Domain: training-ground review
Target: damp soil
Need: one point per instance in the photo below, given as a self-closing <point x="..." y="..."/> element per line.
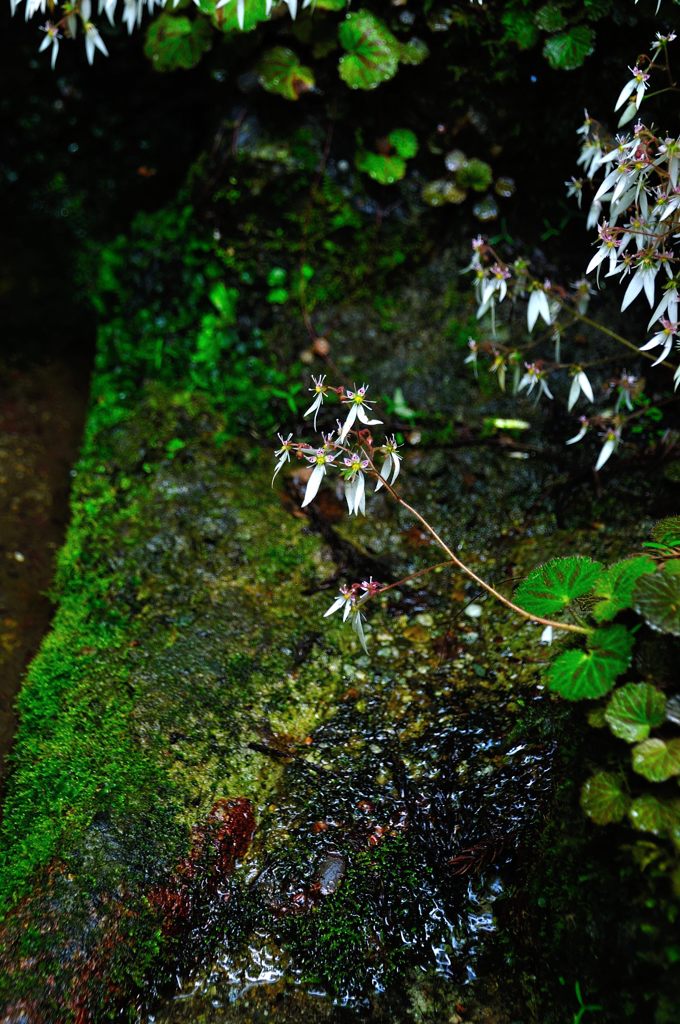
<point x="42" y="410"/>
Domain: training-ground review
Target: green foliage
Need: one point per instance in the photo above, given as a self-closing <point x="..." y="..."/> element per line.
<point x="603" y="798"/>
<point x="384" y="169"/>
<point x="551" y="17"/>
<point x="443" y="190"/>
<point x="667" y="531"/>
<point x="634" y="709"/>
<point x="648" y="813"/>
<point x="657" y="759"/>
<point x="224" y="300"/>
<point x="585" y="675"/>
<point x="475" y="174"/>
<point x="372" y="53"/>
<point x="281" y="72"/>
<point x="615" y="586"/>
<point x="404" y="142"/>
<point x="568" y="50"/>
<point x="414" y="52"/>
<point x="657" y="598"/>
<point x="174" y="41"/>
<point x="519" y="28"/>
<point x="226" y="18"/>
<point x="389" y="165"/>
<point x="553" y="586"/>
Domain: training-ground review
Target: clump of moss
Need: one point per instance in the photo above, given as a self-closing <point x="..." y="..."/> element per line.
<point x="347" y="942"/>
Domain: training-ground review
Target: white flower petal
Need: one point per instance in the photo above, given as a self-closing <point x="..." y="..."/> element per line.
<point x="628" y="89"/>
<point x="313" y="484"/>
<point x="607" y="450"/>
<point x="359" y="629"/>
<point x="338" y="603"/>
<point x="361" y="413"/>
<point x="633" y="289"/>
<point x="584" y="384"/>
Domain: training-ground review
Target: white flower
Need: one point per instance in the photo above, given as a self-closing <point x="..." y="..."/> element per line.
<point x="474" y="352"/>
<point x="51" y="39"/>
<point x="33" y="6"/>
<point x="282" y="453"/>
<point x="93" y="41"/>
<point x="538" y="306"/>
<point x="346" y="601"/>
<point x="533" y="377"/>
<point x="357" y="626"/>
<point x="391" y="464"/>
<point x="109" y="8"/>
<point x="637" y="85"/>
<point x="320" y="459"/>
<point x="670" y="151"/>
<point x="664" y="337"/>
<point x="575" y="188"/>
<point x="609" y="243"/>
<point x="132" y="14"/>
<point x="581" y="294"/>
<point x="642" y="279"/>
<point x="611" y="443"/>
<point x="355" y="483"/>
<point x="668" y="305"/>
<point x="579" y="385"/>
<point x="319" y="390"/>
<point x="582" y="432"/>
<point x="358" y="407"/>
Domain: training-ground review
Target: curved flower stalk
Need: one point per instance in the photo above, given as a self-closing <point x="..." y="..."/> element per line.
<point x="356" y="456"/>
<point x="69" y="17"/>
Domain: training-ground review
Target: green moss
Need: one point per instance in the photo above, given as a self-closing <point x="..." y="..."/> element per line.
<point x="348" y="941"/>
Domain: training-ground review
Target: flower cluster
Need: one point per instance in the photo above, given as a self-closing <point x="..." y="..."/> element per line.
<point x="636" y="210"/>
<point x="68" y="18"/>
<point x="349" y="449"/>
<point x="637" y="207"/>
<point x="351" y="599"/>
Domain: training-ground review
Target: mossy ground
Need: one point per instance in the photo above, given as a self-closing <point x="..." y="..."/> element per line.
<point x="189" y="618"/>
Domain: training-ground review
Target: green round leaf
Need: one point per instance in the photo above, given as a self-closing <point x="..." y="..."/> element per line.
<point x="616" y="584"/>
<point x="413" y="52"/>
<point x="404" y="141"/>
<point x="372" y="51"/>
<point x="441" y="191"/>
<point x="383" y="169"/>
<point x="280" y="72"/>
<point x="475" y="174"/>
<point x="657" y="759"/>
<point x="634" y="709"/>
<point x="603" y="799"/>
<point x="568" y="50"/>
<point x="226" y="18"/>
<point x="551" y="587"/>
<point x="587" y="674"/>
<point x="550" y="18"/>
<point x="657" y="598"/>
<point x="519" y="28"/>
<point x="173" y="41"/>
<point x="667" y="531"/>
<point x="648" y="813"/>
